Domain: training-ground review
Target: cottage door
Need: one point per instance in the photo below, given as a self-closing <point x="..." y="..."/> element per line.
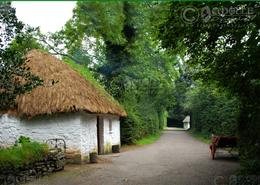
<point x="100" y="134"/>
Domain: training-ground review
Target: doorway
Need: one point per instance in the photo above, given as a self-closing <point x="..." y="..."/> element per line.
<point x="100" y="134"/>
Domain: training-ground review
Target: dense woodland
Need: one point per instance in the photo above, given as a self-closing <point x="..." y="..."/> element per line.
<point x="154" y="65"/>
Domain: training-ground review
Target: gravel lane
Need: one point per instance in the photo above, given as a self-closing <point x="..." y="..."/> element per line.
<point x="175" y="159"/>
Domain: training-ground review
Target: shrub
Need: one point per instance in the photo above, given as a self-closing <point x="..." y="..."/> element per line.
<point x="24" y="153"/>
<point x="143" y="119"/>
<point x="22" y="140"/>
<point x="212" y="111"/>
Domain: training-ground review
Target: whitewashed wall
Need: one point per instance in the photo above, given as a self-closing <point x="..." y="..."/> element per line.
<point x="186" y="125"/>
<point x="116" y="131"/>
<point x="65" y="126"/>
<point x="79" y="130"/>
<point x="111" y="137"/>
<point x="9" y="130"/>
<point x="88" y="134"/>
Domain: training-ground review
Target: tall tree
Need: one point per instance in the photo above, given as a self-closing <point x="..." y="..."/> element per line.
<point x="224" y="49"/>
<point x="133" y="68"/>
<point x="15" y="77"/>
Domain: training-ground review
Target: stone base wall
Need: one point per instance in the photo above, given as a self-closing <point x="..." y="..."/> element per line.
<point x="73" y="157"/>
<point x="54" y="162"/>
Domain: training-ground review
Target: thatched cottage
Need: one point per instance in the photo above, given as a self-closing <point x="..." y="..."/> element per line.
<point x="186" y="123"/>
<point x="67" y="106"/>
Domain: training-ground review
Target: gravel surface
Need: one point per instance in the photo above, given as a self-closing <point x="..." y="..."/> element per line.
<point x="175" y="159"/>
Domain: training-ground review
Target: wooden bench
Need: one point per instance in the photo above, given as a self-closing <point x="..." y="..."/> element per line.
<point x="222" y="142"/>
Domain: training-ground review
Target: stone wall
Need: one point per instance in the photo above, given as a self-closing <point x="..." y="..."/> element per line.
<point x="54" y="162"/>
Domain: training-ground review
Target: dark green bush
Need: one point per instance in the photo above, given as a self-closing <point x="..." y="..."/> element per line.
<point x="22" y="154"/>
<point x="212" y="111"/>
<point x="144" y="118"/>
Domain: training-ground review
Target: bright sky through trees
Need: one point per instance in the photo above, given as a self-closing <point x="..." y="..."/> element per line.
<point x="50" y="16"/>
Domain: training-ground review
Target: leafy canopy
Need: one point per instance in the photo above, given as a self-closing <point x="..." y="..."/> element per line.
<point x="15" y="77"/>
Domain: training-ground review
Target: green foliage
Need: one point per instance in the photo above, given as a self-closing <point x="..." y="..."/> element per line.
<point x="212" y="111"/>
<point x="133" y="67"/>
<point x="250" y="167"/>
<point x="85" y="72"/>
<point x="9" y="24"/>
<point x="205" y="138"/>
<point x="22" y="155"/>
<point x="220" y="53"/>
<point x="148" y="140"/>
<point x="182" y="85"/>
<point x="15" y="77"/>
<point x="97" y="20"/>
<point x="142" y="119"/>
<point x="22" y="140"/>
<point x="226" y="51"/>
<point x="162" y="119"/>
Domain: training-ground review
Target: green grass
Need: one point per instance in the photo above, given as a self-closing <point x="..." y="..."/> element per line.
<point x="84" y="71"/>
<point x="199" y="136"/>
<point x="22" y="155"/>
<point x="148" y="140"/>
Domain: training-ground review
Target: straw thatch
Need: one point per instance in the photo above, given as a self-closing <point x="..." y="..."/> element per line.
<point x="64" y="90"/>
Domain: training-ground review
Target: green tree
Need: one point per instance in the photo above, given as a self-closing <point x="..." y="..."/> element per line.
<point x="129" y="61"/>
<point x="213" y="111"/>
<point x="15" y="77"/>
<point x="226" y="51"/>
<point x="182" y="85"/>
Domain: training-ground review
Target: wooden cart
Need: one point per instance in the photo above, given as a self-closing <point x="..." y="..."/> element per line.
<point x="222" y="142"/>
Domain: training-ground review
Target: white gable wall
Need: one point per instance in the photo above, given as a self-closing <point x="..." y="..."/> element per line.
<point x="88" y="134"/>
<point x="186" y="125"/>
<point x="116" y="131"/>
<point x="111" y="137"/>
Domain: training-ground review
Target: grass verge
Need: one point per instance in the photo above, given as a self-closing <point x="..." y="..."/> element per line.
<point x="22" y="155"/>
<point x="148" y="140"/>
<point x="199" y="136"/>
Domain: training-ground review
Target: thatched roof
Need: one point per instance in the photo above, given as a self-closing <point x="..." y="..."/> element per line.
<point x="71" y="92"/>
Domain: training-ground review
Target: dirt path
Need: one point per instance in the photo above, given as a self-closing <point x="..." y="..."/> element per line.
<point x="175" y="159"/>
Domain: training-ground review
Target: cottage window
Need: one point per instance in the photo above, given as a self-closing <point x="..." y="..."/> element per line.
<point x="110" y="125"/>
